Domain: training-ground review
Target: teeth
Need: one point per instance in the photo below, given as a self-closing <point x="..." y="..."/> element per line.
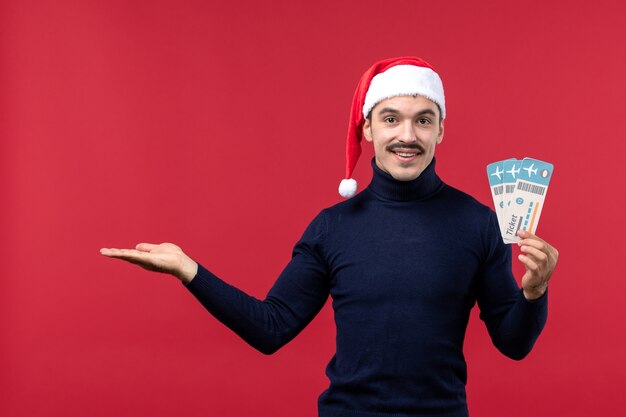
<point x="405" y="154"/>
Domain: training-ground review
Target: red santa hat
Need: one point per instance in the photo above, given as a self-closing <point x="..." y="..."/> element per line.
<point x="402" y="76"/>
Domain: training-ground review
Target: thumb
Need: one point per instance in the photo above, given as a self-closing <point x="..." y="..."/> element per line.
<point x="145" y="247"/>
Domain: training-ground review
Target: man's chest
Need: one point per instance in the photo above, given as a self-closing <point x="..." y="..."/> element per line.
<point x="402" y="263"/>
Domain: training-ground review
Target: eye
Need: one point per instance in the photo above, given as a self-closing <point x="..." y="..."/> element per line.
<point x="390" y="119"/>
<point x="423" y="121"/>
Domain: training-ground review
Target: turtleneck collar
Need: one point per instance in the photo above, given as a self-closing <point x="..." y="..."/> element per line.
<point x="386" y="187"/>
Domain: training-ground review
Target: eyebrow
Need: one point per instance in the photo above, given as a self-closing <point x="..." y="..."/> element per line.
<point x="395" y="111"/>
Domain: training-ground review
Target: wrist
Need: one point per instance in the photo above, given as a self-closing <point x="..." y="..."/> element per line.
<point x="188" y="270"/>
<point x="535" y="293"/>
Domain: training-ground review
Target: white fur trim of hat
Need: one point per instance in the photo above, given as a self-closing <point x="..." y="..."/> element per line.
<point x="405" y="80"/>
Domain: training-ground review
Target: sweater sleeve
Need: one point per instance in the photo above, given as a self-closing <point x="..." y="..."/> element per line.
<point x="513" y="322"/>
<point x="296" y="297"/>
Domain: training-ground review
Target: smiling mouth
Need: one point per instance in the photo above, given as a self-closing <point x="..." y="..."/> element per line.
<point x="405" y="152"/>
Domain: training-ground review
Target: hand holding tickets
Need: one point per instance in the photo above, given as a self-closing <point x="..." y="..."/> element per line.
<point x="518" y="188"/>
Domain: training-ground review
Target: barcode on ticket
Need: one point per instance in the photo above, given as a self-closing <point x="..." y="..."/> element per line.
<point x="531" y="188"/>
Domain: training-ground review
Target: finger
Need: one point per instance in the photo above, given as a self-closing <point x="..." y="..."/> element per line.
<point x="108" y="251"/>
<point x="121" y="253"/>
<point x="525" y="234"/>
<point x="529" y="264"/>
<point x="535" y="243"/>
<point x="535" y="254"/>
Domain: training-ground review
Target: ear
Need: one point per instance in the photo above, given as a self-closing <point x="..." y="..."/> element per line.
<point x="367" y="130"/>
<point x="440" y="137"/>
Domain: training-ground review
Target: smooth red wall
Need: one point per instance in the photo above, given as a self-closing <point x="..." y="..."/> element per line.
<point x="220" y="126"/>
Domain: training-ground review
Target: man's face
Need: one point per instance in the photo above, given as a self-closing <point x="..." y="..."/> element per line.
<point x="404" y="131"/>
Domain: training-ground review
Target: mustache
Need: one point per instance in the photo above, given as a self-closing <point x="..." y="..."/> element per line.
<point x="397" y="145"/>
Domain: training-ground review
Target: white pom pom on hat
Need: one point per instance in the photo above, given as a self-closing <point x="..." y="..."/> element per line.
<point x="401" y="76"/>
<point x="347" y="187"/>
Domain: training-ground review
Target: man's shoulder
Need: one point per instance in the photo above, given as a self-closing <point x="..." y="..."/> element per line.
<point x="349" y="205"/>
<point x="463" y="198"/>
<point x="463" y="212"/>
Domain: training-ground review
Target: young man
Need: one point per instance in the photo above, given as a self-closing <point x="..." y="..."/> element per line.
<point x="404" y="261"/>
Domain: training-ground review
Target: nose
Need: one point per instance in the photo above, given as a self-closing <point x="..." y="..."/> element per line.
<point x="407" y="134"/>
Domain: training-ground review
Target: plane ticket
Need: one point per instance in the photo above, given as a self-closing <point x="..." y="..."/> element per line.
<point x="518" y="190"/>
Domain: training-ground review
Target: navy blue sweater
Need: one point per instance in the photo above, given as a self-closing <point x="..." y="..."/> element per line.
<point x="404" y="263"/>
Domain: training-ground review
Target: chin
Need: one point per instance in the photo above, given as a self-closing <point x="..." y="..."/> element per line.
<point x="405" y="176"/>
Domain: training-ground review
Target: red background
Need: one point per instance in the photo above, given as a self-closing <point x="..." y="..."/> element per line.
<point x="220" y="127"/>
